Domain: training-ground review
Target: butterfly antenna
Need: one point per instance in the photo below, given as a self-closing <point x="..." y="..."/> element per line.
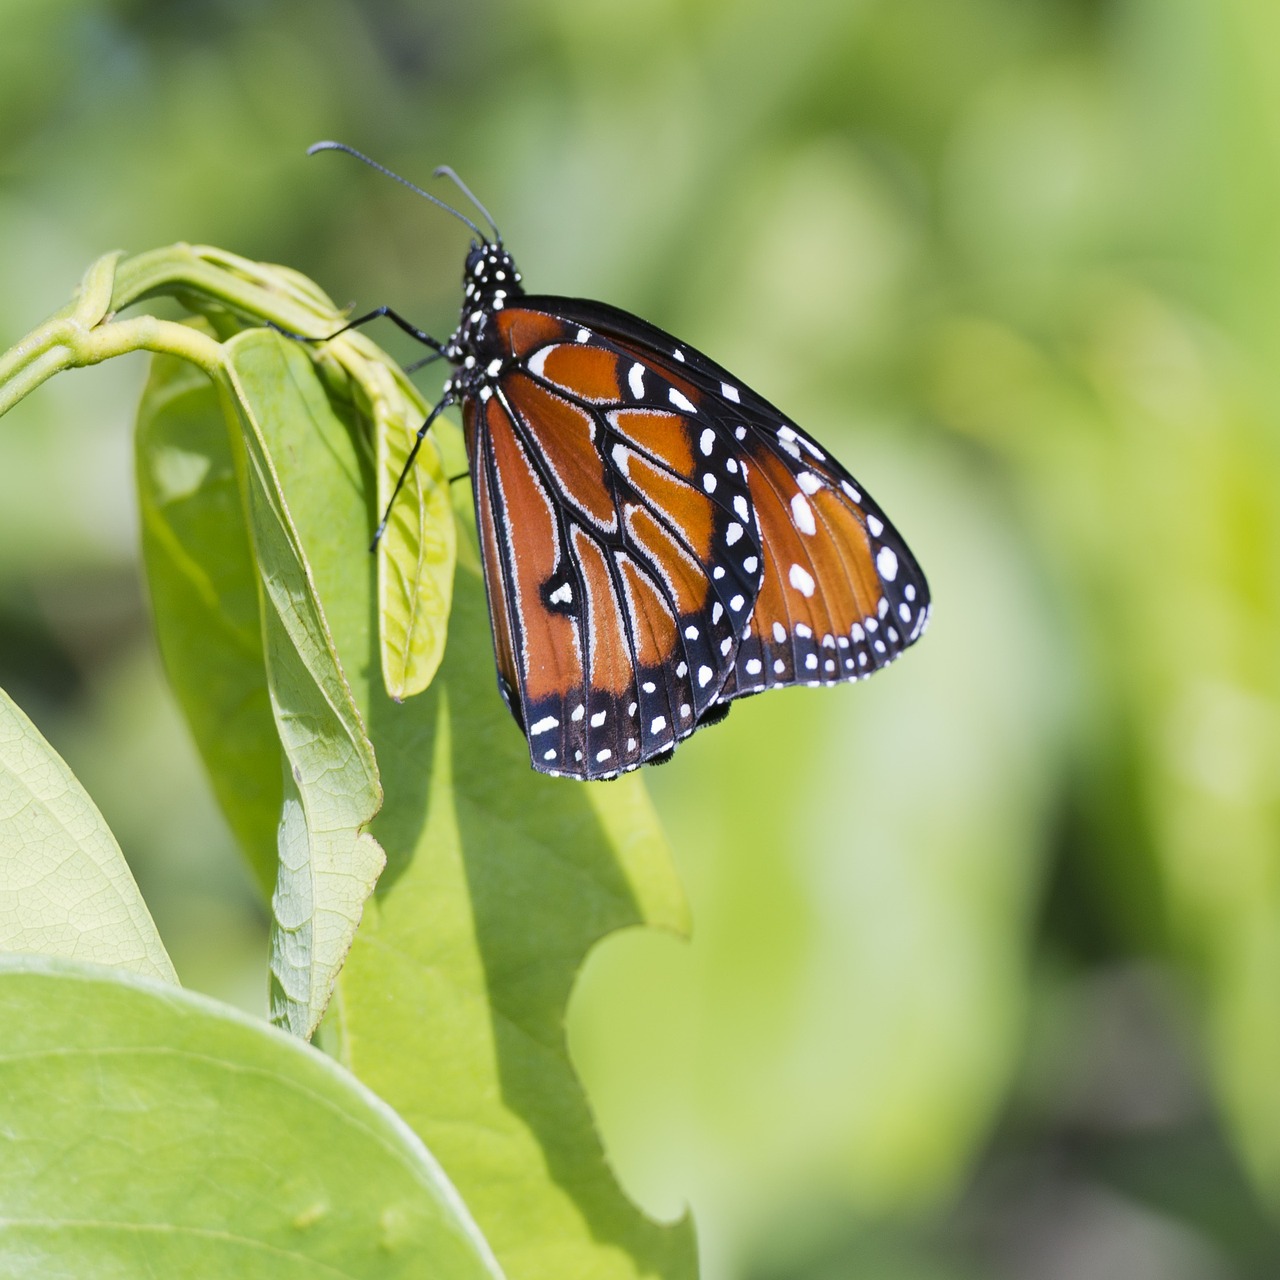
<point x="445" y="171"/>
<point x="373" y="164"/>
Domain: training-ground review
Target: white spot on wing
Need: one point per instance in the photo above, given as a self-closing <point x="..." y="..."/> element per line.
<point x="730" y="392"/>
<point x="802" y="514"/>
<point x="537" y="362"/>
<point x="707" y="441"/>
<point x="635" y="380"/>
<point x="681" y="401"/>
<point x="887" y="563"/>
<point x="801" y="579"/>
<point x="547" y="722"/>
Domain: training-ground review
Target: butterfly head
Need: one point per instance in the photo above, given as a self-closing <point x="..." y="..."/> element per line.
<point x="489" y="278"/>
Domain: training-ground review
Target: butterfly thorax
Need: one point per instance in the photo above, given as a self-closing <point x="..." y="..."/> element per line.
<point x="491" y="280"/>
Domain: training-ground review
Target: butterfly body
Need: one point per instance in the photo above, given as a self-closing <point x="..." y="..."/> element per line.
<point x="657" y="539"/>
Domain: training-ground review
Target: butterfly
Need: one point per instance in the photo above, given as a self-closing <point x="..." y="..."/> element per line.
<point x="657" y="539"/>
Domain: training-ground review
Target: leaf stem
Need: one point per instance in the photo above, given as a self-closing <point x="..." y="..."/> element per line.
<point x="204" y="279"/>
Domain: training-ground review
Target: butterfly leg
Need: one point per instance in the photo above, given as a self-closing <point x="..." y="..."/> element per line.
<point x="413" y="455"/>
<point x="377" y="313"/>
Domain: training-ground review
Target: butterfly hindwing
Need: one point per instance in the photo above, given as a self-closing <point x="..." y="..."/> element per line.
<point x="620" y="546"/>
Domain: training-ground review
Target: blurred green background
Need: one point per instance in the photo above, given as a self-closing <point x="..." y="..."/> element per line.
<point x="985" y="979"/>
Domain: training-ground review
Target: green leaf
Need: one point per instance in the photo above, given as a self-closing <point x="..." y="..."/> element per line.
<point x="65" y="888"/>
<point x="188" y="1139"/>
<point x="499" y="881"/>
<point x="328" y="864"/>
<point x="204" y="596"/>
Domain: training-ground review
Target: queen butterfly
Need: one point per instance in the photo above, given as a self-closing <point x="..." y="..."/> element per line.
<point x="657" y="538"/>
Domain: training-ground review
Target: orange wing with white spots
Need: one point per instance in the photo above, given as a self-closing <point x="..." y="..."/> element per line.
<point x="659" y="540"/>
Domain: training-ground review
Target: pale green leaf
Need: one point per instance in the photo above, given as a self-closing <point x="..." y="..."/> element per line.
<point x="65" y="888"/>
<point x="417" y="551"/>
<point x="328" y="864"/>
<point x="152" y="1132"/>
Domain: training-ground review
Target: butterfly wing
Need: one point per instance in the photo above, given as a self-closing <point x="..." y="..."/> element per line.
<point x="620" y="545"/>
<point x="841" y="594"/>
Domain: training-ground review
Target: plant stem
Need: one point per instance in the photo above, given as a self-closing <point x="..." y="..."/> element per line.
<point x="86" y="332"/>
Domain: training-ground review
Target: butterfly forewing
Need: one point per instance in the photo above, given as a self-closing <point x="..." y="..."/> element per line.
<point x="840" y="595"/>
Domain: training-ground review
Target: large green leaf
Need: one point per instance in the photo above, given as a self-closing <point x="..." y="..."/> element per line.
<point x="151" y="1132"/>
<point x="204" y="595"/>
<point x="65" y="888"/>
<point x="499" y="881"/>
<point x="328" y="863"/>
